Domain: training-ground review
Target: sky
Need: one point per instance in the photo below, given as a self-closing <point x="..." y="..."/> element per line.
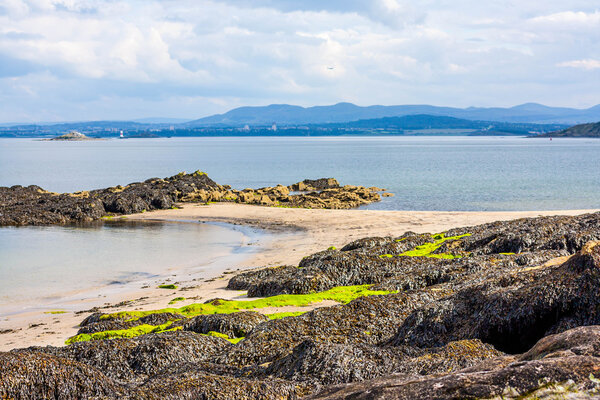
<point x="69" y="60"/>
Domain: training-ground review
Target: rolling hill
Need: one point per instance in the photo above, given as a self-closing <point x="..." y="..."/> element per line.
<point x="581" y="130"/>
<point x="284" y="114"/>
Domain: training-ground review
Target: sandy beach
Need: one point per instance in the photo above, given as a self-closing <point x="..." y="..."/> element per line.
<point x="299" y="232"/>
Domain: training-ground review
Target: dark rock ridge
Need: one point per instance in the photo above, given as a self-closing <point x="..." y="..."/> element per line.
<point x="32" y="205"/>
<point x="505" y="310"/>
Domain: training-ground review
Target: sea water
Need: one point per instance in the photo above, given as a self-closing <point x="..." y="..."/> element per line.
<point x="51" y="267"/>
<point x="425" y="173"/>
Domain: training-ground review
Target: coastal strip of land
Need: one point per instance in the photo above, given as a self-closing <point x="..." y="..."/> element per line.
<point x="300" y="232"/>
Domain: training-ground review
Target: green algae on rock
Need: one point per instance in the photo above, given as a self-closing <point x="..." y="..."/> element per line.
<point x="341" y="294"/>
<point x="212" y="315"/>
<point x="167" y="286"/>
<point x="176" y="299"/>
<point x="428" y="249"/>
<point x="132" y="332"/>
<point x="285" y="314"/>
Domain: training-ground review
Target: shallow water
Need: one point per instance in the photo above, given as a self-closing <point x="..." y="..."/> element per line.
<point x="425" y="173"/>
<point x="45" y="266"/>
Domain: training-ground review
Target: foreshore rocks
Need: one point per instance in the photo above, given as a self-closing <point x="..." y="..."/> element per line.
<point x="509" y="310"/>
<point x="236" y="325"/>
<point x="33" y="205"/>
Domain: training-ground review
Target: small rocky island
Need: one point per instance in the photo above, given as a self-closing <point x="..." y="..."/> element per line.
<point x="506" y="310"/>
<point x="33" y="205"/>
<point x="73" y="136"/>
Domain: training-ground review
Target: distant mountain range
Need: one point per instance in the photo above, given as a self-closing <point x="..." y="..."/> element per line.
<point x="284" y="114"/>
<point x="420" y="124"/>
<point x="338" y="119"/>
<point x="582" y="130"/>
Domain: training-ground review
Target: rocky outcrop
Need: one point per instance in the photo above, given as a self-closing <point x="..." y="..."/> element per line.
<point x="457" y="257"/>
<point x="32" y="205"/>
<point x="506" y="310"/>
<point x="514" y="310"/>
<point x="234" y="325"/>
<point x="559" y="366"/>
<point x="319" y="193"/>
<point x="138" y="358"/>
<point x="314" y="184"/>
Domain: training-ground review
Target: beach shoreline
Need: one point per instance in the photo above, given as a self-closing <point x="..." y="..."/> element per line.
<point x="297" y="233"/>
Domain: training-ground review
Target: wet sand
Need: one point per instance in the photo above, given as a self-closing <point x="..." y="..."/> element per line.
<point x="300" y="232"/>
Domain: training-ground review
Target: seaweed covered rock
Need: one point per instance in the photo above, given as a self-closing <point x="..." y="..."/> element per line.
<point x="336" y="198"/>
<point x="315" y="184"/>
<point x="137" y="358"/>
<point x="331" y="363"/>
<point x="235" y="325"/>
<point x="34" y="206"/>
<point x="33" y="375"/>
<point x="366" y="320"/>
<point x="559" y="366"/>
<point x="414" y="261"/>
<point x="191" y="383"/>
<point x="36" y="375"/>
<point x="246" y="280"/>
<point x="318" y="193"/>
<point x="512" y="310"/>
<point x="94" y="323"/>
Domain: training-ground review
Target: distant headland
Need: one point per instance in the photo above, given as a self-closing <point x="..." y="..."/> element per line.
<point x="581" y="130"/>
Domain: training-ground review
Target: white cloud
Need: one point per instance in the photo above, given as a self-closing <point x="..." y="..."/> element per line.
<point x="570" y="17"/>
<point x="214" y="55"/>
<point x="581" y="64"/>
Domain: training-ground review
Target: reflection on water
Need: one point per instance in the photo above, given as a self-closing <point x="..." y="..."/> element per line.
<point x="45" y="262"/>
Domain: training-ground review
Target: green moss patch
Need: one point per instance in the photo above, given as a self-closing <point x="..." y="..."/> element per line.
<point x="285" y="314"/>
<point x="223" y="336"/>
<point x="123" y="333"/>
<point x="171" y="286"/>
<point x="427" y="249"/>
<point x="176" y="299"/>
<point x="55" y="312"/>
<point x="341" y="294"/>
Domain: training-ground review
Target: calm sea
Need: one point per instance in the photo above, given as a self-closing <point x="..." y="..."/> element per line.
<point x="425" y="173"/>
